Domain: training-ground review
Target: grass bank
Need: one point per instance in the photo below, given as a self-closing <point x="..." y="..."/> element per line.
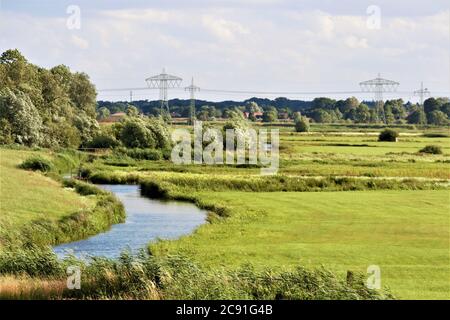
<point x="39" y="209"/>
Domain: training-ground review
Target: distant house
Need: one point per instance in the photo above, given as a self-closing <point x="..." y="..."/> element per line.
<point x="283" y="115"/>
<point x="257" y="115"/>
<point x="115" y="117"/>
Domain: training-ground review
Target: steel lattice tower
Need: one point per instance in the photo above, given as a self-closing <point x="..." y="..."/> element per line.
<point x="192" y="89"/>
<point x="379" y="86"/>
<point x="422" y="92"/>
<point x="163" y="82"/>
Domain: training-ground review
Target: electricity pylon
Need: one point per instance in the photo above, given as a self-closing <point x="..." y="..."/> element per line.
<point x="163" y="82"/>
<point x="422" y="92"/>
<point x="379" y="86"/>
<point x="192" y="88"/>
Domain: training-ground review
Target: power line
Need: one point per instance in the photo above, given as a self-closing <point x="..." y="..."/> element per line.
<point x="192" y="89"/>
<point x="163" y="82"/>
<point x="422" y="92"/>
<point x="379" y="86"/>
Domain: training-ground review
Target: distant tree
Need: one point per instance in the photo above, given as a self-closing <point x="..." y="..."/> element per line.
<point x="396" y="108"/>
<point x="417" y="117"/>
<point x="445" y="108"/>
<point x="321" y="116"/>
<point x="374" y="116"/>
<point x="430" y="105"/>
<point x="103" y="113"/>
<point x="388" y="114"/>
<point x="362" y="114"/>
<point x="338" y="114"/>
<point x="203" y="115"/>
<point x="347" y="105"/>
<point x="252" y="107"/>
<point x="323" y="103"/>
<point x="297" y="116"/>
<point x="438" y="118"/>
<point x="132" y="111"/>
<point x="270" y="115"/>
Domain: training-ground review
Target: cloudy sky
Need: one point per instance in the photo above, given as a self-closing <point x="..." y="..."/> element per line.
<point x="237" y="45"/>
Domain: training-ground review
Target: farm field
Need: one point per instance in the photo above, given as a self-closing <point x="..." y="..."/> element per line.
<point x="325" y="154"/>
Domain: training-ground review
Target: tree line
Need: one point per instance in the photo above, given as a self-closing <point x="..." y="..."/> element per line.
<point x="434" y="111"/>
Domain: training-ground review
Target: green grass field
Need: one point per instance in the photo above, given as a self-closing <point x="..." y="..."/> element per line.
<point x="405" y="233"/>
<point x="27" y="196"/>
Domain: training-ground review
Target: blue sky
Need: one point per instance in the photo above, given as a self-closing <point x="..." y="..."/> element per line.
<point x="250" y="45"/>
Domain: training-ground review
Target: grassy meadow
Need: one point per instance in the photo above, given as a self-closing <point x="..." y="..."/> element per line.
<point x="341" y="200"/>
<point x="27" y="196"/>
<point x="36" y="208"/>
<point x="405" y="232"/>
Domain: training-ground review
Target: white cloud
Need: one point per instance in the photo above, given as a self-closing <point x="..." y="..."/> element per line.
<point x="283" y="50"/>
<point x="354" y="42"/>
<point x="223" y="29"/>
<point x="79" y="42"/>
<point x="147" y="15"/>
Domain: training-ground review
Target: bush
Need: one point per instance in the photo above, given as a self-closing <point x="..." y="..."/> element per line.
<point x="103" y="141"/>
<point x="36" y="164"/>
<point x="135" y="134"/>
<point x="140" y="154"/>
<point x="301" y="124"/>
<point x="83" y="188"/>
<point x="433" y="149"/>
<point x="141" y="133"/>
<point x="388" y="135"/>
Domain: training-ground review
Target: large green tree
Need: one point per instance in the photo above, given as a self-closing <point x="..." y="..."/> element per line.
<point x="60" y="103"/>
<point x="21" y="116"/>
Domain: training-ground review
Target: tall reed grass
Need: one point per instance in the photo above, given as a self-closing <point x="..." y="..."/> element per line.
<point x="172" y="277"/>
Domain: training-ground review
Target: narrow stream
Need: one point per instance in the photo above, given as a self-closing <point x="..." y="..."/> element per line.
<point x="147" y="220"/>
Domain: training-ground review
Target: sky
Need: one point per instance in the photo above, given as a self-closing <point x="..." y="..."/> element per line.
<point x="267" y="48"/>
